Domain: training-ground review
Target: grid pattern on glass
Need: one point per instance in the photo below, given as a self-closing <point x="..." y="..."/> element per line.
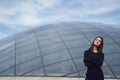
<point x="116" y="70"/>
<point x="6" y="57"/>
<point x="7" y="41"/>
<point x="88" y="29"/>
<point x="107" y="72"/>
<point x="7" y="50"/>
<point x="78" y="51"/>
<point x="46" y="31"/>
<point x="52" y="48"/>
<point x="37" y="72"/>
<point x="94" y="34"/>
<point x="26" y="48"/>
<point x="27" y="55"/>
<point x="26" y="42"/>
<point x="22" y="39"/>
<point x="108" y="48"/>
<point x="72" y="36"/>
<point x="6" y="64"/>
<point x="68" y="31"/>
<point x="106" y="28"/>
<point x="24" y="34"/>
<point x="56" y="57"/>
<point x="63" y="26"/>
<point x="47" y="36"/>
<point x="43" y="29"/>
<point x="82" y="73"/>
<point x="49" y="41"/>
<point x="114" y="33"/>
<point x="117" y="39"/>
<point x="28" y="66"/>
<point x="79" y="63"/>
<point x="6" y="46"/>
<point x="77" y="43"/>
<point x="60" y="69"/>
<point x="113" y="58"/>
<point x="9" y="71"/>
<point x="85" y="26"/>
<point x="57" y="60"/>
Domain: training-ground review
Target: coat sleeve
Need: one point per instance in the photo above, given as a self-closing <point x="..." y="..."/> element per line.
<point x="86" y="60"/>
<point x="99" y="62"/>
<point x="91" y="62"/>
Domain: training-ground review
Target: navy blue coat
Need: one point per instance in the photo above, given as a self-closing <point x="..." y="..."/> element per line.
<point x="93" y="62"/>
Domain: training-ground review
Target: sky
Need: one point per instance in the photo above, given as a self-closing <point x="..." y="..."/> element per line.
<point x="19" y="15"/>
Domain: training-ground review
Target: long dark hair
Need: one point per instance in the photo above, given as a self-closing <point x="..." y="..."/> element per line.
<point x="100" y="48"/>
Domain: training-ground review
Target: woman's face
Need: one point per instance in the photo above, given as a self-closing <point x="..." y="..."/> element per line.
<point x="97" y="42"/>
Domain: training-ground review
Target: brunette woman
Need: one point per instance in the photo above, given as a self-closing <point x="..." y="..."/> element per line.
<point x="93" y="60"/>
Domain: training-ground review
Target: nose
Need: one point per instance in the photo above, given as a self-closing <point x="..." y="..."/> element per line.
<point x="97" y="41"/>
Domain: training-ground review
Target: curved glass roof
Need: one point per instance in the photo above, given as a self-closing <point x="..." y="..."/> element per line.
<point x="57" y="50"/>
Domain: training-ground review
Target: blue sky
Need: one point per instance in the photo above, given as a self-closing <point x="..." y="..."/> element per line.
<point x="19" y="15"/>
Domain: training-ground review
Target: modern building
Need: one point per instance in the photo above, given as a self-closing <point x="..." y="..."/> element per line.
<point x="56" y="50"/>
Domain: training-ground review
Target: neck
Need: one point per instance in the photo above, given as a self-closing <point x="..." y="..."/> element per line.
<point x="95" y="49"/>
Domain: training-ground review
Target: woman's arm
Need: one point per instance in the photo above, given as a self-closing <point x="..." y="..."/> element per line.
<point x="96" y="62"/>
<point x="90" y="61"/>
<point x="86" y="60"/>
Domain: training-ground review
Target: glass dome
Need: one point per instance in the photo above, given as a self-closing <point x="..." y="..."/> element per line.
<point x="58" y="49"/>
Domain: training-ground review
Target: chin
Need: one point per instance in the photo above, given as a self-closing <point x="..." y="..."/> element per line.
<point x="96" y="45"/>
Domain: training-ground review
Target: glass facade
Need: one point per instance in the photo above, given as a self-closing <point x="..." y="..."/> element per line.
<point x="58" y="49"/>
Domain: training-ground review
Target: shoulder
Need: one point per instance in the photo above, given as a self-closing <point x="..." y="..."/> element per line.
<point x="86" y="51"/>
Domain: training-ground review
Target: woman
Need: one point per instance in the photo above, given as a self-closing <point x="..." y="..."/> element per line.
<point x="93" y="60"/>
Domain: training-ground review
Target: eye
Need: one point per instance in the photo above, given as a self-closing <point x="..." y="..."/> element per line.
<point x="99" y="40"/>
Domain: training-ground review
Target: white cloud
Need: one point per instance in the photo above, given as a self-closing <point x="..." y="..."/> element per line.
<point x="94" y="7"/>
<point x="27" y="13"/>
<point x="98" y="7"/>
<point x="90" y="8"/>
